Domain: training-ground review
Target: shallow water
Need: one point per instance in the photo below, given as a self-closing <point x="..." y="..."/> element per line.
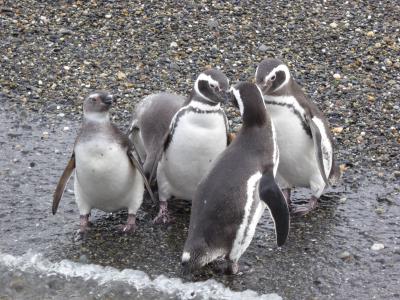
<point x="34" y="245"/>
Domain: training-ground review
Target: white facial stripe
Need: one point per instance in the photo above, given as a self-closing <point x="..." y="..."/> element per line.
<point x="283" y="68"/>
<point x="185" y="256"/>
<point x="95" y="95"/>
<point x="257" y="71"/>
<point x="236" y="93"/>
<point x="207" y="78"/>
<point x="326" y="146"/>
<point x="237" y="248"/>
<point x="204" y="106"/>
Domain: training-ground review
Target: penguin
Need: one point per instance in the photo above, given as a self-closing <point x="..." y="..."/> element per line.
<point x="107" y="175"/>
<point x="197" y="133"/>
<point x="231" y="198"/>
<point x="151" y="121"/>
<point x="304" y="138"/>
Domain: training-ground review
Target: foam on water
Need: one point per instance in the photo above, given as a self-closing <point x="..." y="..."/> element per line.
<point x="210" y="289"/>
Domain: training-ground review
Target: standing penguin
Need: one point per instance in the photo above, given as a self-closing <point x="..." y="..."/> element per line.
<point x="232" y="196"/>
<point x="304" y="139"/>
<point x="151" y="123"/>
<point x="107" y="174"/>
<point x="197" y="134"/>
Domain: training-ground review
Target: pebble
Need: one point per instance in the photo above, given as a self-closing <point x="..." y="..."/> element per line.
<point x="396" y="174"/>
<point x="370" y="33"/>
<point x="66" y="128"/>
<point x="108" y="16"/>
<point x="213" y="23"/>
<point x="345" y="255"/>
<point x="263" y="48"/>
<point x="333" y="25"/>
<point x="173" y="45"/>
<point x="377" y="246"/>
<point x="342" y="200"/>
<point x="337" y="76"/>
<point x="45" y="135"/>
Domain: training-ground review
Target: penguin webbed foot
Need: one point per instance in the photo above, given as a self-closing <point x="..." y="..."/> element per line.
<point x="303" y="209"/>
<point x="163" y="216"/>
<point x="130" y="226"/>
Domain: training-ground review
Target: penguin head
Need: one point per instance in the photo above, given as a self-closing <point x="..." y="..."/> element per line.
<point x="194" y="256"/>
<point x="248" y="98"/>
<point x="212" y="87"/>
<point x="97" y="105"/>
<point x="272" y="75"/>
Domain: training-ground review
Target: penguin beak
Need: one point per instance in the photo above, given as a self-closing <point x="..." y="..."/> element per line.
<point x="265" y="86"/>
<point x="108" y="100"/>
<point x="185" y="269"/>
<point x="224" y="96"/>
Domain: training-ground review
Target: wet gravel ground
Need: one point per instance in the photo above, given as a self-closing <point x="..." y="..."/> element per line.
<point x="344" y="54"/>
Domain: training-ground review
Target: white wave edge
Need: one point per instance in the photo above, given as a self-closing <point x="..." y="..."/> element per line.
<point x="35" y="262"/>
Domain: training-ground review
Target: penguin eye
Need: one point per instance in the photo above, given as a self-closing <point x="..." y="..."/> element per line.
<point x="213" y="85"/>
<point x="94" y="99"/>
<point x="273" y="77"/>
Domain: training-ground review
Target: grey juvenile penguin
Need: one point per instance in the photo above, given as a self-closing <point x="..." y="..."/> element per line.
<point x="151" y="121"/>
<point x="304" y="139"/>
<point x="107" y="174"/>
<point x="197" y="133"/>
<point x="232" y="196"/>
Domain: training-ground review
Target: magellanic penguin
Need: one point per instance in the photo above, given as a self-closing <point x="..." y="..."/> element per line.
<point x="107" y="174"/>
<point x="233" y="195"/>
<point x="151" y="121"/>
<point x="197" y="133"/>
<point x="304" y="139"/>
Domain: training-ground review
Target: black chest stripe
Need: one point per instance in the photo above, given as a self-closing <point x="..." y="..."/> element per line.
<point x="296" y="112"/>
<point x="181" y="114"/>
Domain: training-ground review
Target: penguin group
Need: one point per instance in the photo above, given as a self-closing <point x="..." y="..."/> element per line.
<point x="183" y="148"/>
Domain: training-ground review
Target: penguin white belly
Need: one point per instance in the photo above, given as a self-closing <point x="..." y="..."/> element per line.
<point x="297" y="163"/>
<point x="104" y="177"/>
<point x="197" y="141"/>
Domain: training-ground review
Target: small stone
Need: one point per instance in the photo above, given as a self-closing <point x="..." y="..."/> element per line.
<point x="263" y="48"/>
<point x="108" y="16"/>
<point x="45" y="135"/>
<point x="333" y="25"/>
<point x="121" y="75"/>
<point x="396" y="174"/>
<point x="345" y="255"/>
<point x="61" y="115"/>
<point x="388" y="62"/>
<point x="371" y="98"/>
<point x="337" y="130"/>
<point x="173" y="45"/>
<point x="66" y="68"/>
<point x="40" y="82"/>
<point x="32" y="164"/>
<point x="342" y="200"/>
<point x="213" y="23"/>
<point x="66" y="128"/>
<point x="377" y="246"/>
<point x="378" y="45"/>
<point x="337" y="76"/>
<point x="370" y="33"/>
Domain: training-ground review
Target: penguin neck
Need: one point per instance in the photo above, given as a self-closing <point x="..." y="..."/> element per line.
<point x="198" y="104"/>
<point x="254" y="114"/>
<point x="97" y="117"/>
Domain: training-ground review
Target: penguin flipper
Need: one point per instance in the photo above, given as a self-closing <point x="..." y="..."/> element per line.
<point x="136" y="141"/>
<point x="158" y="156"/>
<point x="62" y="183"/>
<point x="322" y="146"/>
<point x="135" y="162"/>
<point x="272" y="196"/>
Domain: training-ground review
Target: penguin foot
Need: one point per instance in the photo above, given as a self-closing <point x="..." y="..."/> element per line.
<point x="130" y="226"/>
<point x="302" y="210"/>
<point x="287" y="193"/>
<point x="163" y="216"/>
<point x="84" y="224"/>
<point x="232" y="269"/>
